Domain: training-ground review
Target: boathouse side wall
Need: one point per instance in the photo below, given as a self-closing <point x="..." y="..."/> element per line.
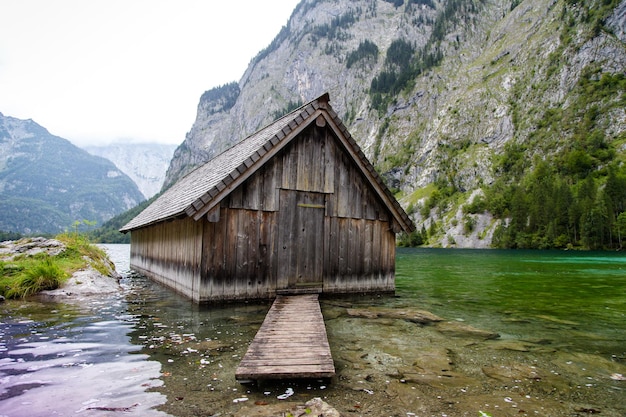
<point x="170" y="253"/>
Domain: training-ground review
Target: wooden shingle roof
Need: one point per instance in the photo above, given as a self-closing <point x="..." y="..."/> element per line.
<point x="202" y="189"/>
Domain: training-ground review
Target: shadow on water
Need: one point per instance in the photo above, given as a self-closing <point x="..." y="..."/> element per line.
<point x="561" y="350"/>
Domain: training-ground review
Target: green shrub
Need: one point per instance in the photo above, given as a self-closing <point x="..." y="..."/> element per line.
<point x="469" y="223"/>
<point x="478" y="205"/>
<point x="79" y="248"/>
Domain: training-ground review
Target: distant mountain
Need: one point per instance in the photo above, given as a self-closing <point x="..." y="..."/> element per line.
<point x="47" y="184"/>
<point x="145" y="163"/>
<point x="496" y="122"/>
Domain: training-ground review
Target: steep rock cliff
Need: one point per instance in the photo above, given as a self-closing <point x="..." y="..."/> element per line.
<point x="145" y="163"/>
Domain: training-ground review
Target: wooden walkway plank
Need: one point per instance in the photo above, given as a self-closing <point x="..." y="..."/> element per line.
<point x="291" y="343"/>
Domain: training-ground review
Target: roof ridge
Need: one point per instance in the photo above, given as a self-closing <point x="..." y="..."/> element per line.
<point x="296" y="117"/>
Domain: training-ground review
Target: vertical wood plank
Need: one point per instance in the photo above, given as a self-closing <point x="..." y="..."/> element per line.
<point x="303" y="167"/>
<point x="230" y="254"/>
<point x="367" y="248"/>
<point x="289" y="167"/>
<point x="235" y="199"/>
<point x="270" y="188"/>
<point x="387" y="250"/>
<point x="318" y="168"/>
<point x="391" y="274"/>
<point x="253" y="255"/>
<point x="329" y="162"/>
<point x="376" y="248"/>
<point x="251" y="196"/>
<point x="263" y="273"/>
<point x="206" y="277"/>
<point x="242" y="231"/>
<point x="326" y="253"/>
<point x="344" y="252"/>
<point x="274" y="265"/>
<point x="285" y="230"/>
<point x="343" y="190"/>
<point x="217" y="269"/>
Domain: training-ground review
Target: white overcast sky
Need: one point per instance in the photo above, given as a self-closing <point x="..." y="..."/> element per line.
<point x="100" y="71"/>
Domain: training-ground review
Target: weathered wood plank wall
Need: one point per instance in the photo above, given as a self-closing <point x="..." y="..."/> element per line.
<point x="238" y="256"/>
<point x="169" y="253"/>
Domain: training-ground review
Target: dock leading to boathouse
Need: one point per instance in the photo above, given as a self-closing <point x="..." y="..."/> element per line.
<point x="291" y="343"/>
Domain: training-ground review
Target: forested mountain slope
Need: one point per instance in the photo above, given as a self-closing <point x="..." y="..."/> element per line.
<point x="497" y="122"/>
<point x="48" y="185"/>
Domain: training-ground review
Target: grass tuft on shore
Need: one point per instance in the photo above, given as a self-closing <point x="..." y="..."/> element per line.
<point x="24" y="276"/>
<point x="35" y="276"/>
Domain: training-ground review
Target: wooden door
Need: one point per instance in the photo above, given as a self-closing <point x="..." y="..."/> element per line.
<point x="301" y="240"/>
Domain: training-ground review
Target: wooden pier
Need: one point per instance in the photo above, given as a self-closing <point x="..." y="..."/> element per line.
<point x="291" y="343"/>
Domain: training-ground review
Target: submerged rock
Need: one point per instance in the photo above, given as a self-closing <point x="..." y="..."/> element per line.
<point x="520" y="345"/>
<point x="513" y="372"/>
<point x="312" y="408"/>
<point x="435" y="367"/>
<point x="436" y="360"/>
<point x="513" y="345"/>
<point x="456" y="329"/>
<point x="408" y="314"/>
<point x="318" y="407"/>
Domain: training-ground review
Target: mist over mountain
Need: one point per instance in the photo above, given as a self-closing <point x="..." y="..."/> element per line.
<point x="47" y="184"/>
<point x="145" y="163"/>
<point x="496" y="122"/>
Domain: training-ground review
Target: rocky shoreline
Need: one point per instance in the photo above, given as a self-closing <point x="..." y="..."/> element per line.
<point x="87" y="282"/>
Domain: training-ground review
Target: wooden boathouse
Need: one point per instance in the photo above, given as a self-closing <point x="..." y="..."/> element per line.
<point x="295" y="207"/>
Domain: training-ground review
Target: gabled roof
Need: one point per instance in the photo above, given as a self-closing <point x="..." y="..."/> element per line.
<point x="202" y="189"/>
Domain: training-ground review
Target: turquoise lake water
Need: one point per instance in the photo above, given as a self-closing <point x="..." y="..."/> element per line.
<point x="573" y="298"/>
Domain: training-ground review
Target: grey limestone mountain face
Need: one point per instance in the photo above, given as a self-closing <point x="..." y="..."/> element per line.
<point x="145" y="163"/>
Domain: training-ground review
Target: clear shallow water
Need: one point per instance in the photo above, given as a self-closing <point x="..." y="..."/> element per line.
<point x="573" y="298"/>
<point x="73" y="359"/>
<point x="560" y="316"/>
